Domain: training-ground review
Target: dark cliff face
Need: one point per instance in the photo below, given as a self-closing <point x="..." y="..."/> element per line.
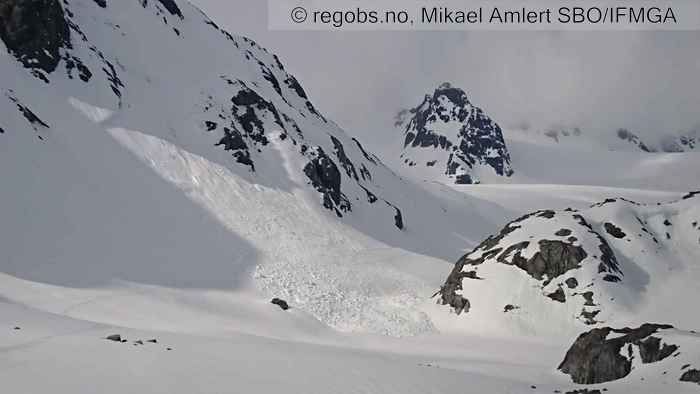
<point x="325" y="178"/>
<point x="34" y="31"/>
<point x="462" y="135"/>
<point x="597" y="356"/>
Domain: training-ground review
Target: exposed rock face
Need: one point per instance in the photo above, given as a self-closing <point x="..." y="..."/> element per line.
<point x="633" y="139"/>
<point x="448" y="292"/>
<point x="325" y="177"/>
<point x="685" y="142"/>
<point x="597" y="357"/>
<point x="172" y="7"/>
<point x="691" y="375"/>
<point x="614" y="230"/>
<point x="448" y="133"/>
<point x="558" y="295"/>
<point x="553" y="259"/>
<point x="281" y="303"/>
<point x="34" y="31"/>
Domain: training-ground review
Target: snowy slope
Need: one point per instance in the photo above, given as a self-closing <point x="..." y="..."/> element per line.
<point x="540" y="162"/>
<point x="177" y="155"/>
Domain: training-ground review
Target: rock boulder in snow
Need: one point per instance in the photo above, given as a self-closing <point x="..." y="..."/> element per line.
<point x="281" y="303"/>
<point x="605" y="354"/>
<point x="114" y="337"/>
<point x="691" y="375"/>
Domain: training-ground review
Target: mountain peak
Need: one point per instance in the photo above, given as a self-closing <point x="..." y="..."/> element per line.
<point x="454" y="137"/>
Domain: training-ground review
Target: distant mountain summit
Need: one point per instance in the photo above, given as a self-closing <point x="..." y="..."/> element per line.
<point x="449" y="137"/>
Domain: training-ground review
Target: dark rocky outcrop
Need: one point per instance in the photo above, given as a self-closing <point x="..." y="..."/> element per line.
<point x="558" y="295"/>
<point x="398" y="217"/>
<point x="169" y="5"/>
<point x="34" y="31"/>
<point x="690" y="195"/>
<point x="345" y="162"/>
<point x="608" y="260"/>
<point x="114" y="337"/>
<point x="612" y="278"/>
<point x="554" y="258"/>
<point x="634" y="139"/>
<point x="589" y="317"/>
<point x="325" y="178"/>
<point x="571" y="283"/>
<point x="595" y="358"/>
<point x="614" y="230"/>
<point x="247" y="107"/>
<point x="30" y="116"/>
<point x="691" y="375"/>
<point x="652" y="350"/>
<point x="281" y="303"/>
<point x="588" y="296"/>
<point x="448" y="291"/>
<point x="211" y="126"/>
<point x="233" y="141"/>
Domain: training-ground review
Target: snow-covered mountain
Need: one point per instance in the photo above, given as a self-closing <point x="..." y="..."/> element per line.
<point x="240" y="102"/>
<point x="560" y="271"/>
<point x="448" y="138"/>
<point x="150" y="126"/>
<point x="164" y="179"/>
<point x="620" y="140"/>
<point x="682" y="142"/>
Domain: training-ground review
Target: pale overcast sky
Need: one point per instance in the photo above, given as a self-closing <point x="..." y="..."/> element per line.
<point x="648" y="82"/>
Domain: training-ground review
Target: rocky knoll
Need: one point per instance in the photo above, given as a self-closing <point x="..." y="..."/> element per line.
<point x="607" y="354"/>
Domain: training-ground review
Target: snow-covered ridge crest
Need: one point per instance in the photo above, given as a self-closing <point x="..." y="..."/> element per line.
<point x="453" y="138"/>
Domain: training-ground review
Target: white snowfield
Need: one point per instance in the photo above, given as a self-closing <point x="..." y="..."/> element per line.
<point x="121" y="215"/>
